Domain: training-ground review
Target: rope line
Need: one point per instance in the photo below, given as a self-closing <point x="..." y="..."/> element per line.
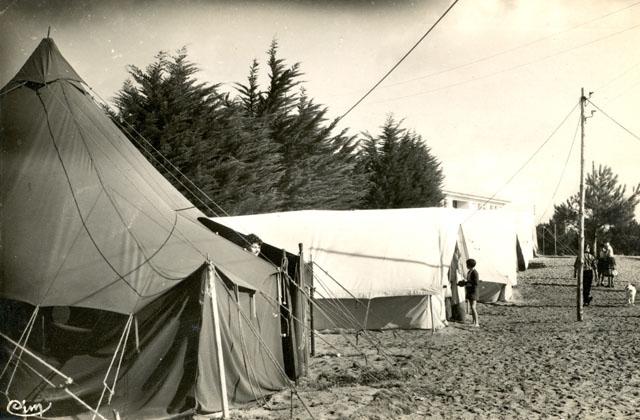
<point x="166" y="160"/>
<point x="26" y="333"/>
<point x="265" y="346"/>
<point x="358" y="351"/>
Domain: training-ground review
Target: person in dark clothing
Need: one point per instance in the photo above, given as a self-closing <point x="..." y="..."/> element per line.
<point x="589" y="272"/>
<point x="471" y="289"/>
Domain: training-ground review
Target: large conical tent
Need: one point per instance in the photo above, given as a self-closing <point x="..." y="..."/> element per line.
<point x="102" y="256"/>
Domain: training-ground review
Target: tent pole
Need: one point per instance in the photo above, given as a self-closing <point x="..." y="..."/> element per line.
<point x="211" y="277"/>
<point x="302" y="283"/>
<point x="311" y="299"/>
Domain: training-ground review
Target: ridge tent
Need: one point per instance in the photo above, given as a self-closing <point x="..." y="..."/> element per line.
<point x="500" y="240"/>
<point x="527" y="238"/>
<point x="372" y="269"/>
<point x="109" y="286"/>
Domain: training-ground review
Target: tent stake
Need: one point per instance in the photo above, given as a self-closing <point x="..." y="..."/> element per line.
<point x="433" y="324"/>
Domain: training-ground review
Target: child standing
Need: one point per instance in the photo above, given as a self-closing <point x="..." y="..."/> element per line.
<point x="471" y="289"/>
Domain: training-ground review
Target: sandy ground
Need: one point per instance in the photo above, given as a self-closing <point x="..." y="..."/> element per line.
<point x="530" y="359"/>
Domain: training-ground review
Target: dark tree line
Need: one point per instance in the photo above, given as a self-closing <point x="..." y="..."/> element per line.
<point x="261" y="149"/>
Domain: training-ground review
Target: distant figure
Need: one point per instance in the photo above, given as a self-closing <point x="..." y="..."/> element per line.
<point x="603" y="265"/>
<point x="255" y="244"/>
<point x="609" y="248"/>
<point x="611" y="271"/>
<point x="589" y="268"/>
<point x="471" y="289"/>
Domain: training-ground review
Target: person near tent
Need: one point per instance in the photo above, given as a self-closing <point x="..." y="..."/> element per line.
<point x="589" y="269"/>
<point x="471" y="289"/>
<point x="255" y="244"/>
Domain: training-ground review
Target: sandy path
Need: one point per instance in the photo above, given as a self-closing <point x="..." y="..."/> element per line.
<point x="530" y="359"/>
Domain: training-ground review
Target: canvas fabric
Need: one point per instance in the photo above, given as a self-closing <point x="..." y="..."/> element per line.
<point x="89" y="227"/>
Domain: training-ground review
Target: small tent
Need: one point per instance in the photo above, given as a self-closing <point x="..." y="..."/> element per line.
<point x="372" y="269"/>
<point x="114" y="299"/>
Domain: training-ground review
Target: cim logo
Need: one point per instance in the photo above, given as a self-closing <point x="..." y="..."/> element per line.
<point x="27" y="409"/>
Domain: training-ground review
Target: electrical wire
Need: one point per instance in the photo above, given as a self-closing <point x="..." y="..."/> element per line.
<point x="528" y="44"/>
<point x="601" y="87"/>
<point x="555" y="130"/>
<point x="566" y="162"/>
<point x="399" y="61"/>
<point x="616" y="122"/>
<point x="509" y="68"/>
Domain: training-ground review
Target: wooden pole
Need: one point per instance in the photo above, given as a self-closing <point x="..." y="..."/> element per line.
<point x="579" y="309"/>
<point x="302" y="282"/>
<point x="216" y="326"/>
<point x="555" y="240"/>
<point x="311" y="303"/>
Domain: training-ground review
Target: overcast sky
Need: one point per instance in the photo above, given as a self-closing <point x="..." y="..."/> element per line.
<point x="485" y="89"/>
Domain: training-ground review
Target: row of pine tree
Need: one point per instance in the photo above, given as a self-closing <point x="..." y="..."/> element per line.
<point x="268" y="148"/>
<point x="272" y="148"/>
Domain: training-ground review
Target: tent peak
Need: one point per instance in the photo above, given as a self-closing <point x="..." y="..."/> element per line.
<point x="45" y="65"/>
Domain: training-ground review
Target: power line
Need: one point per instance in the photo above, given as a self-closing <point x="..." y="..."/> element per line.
<point x="624" y="91"/>
<point x="479" y="60"/>
<point x="598" y="89"/>
<point x="564" y="168"/>
<point x="510" y="68"/>
<point x="400" y="61"/>
<point x="616" y="122"/>
<point x="527" y="161"/>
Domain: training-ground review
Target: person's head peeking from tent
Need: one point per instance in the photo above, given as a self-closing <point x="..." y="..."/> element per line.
<point x="255" y="244"/>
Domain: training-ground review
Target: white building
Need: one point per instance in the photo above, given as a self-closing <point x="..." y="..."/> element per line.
<point x="459" y="200"/>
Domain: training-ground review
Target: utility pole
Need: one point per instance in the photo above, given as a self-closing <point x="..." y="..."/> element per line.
<point x="555" y="240"/>
<point x="579" y="302"/>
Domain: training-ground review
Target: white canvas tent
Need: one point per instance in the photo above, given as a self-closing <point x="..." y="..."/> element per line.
<point x="385" y="268"/>
<point x="502" y="241"/>
<point x="490" y="237"/>
<point x="527" y="237"/>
